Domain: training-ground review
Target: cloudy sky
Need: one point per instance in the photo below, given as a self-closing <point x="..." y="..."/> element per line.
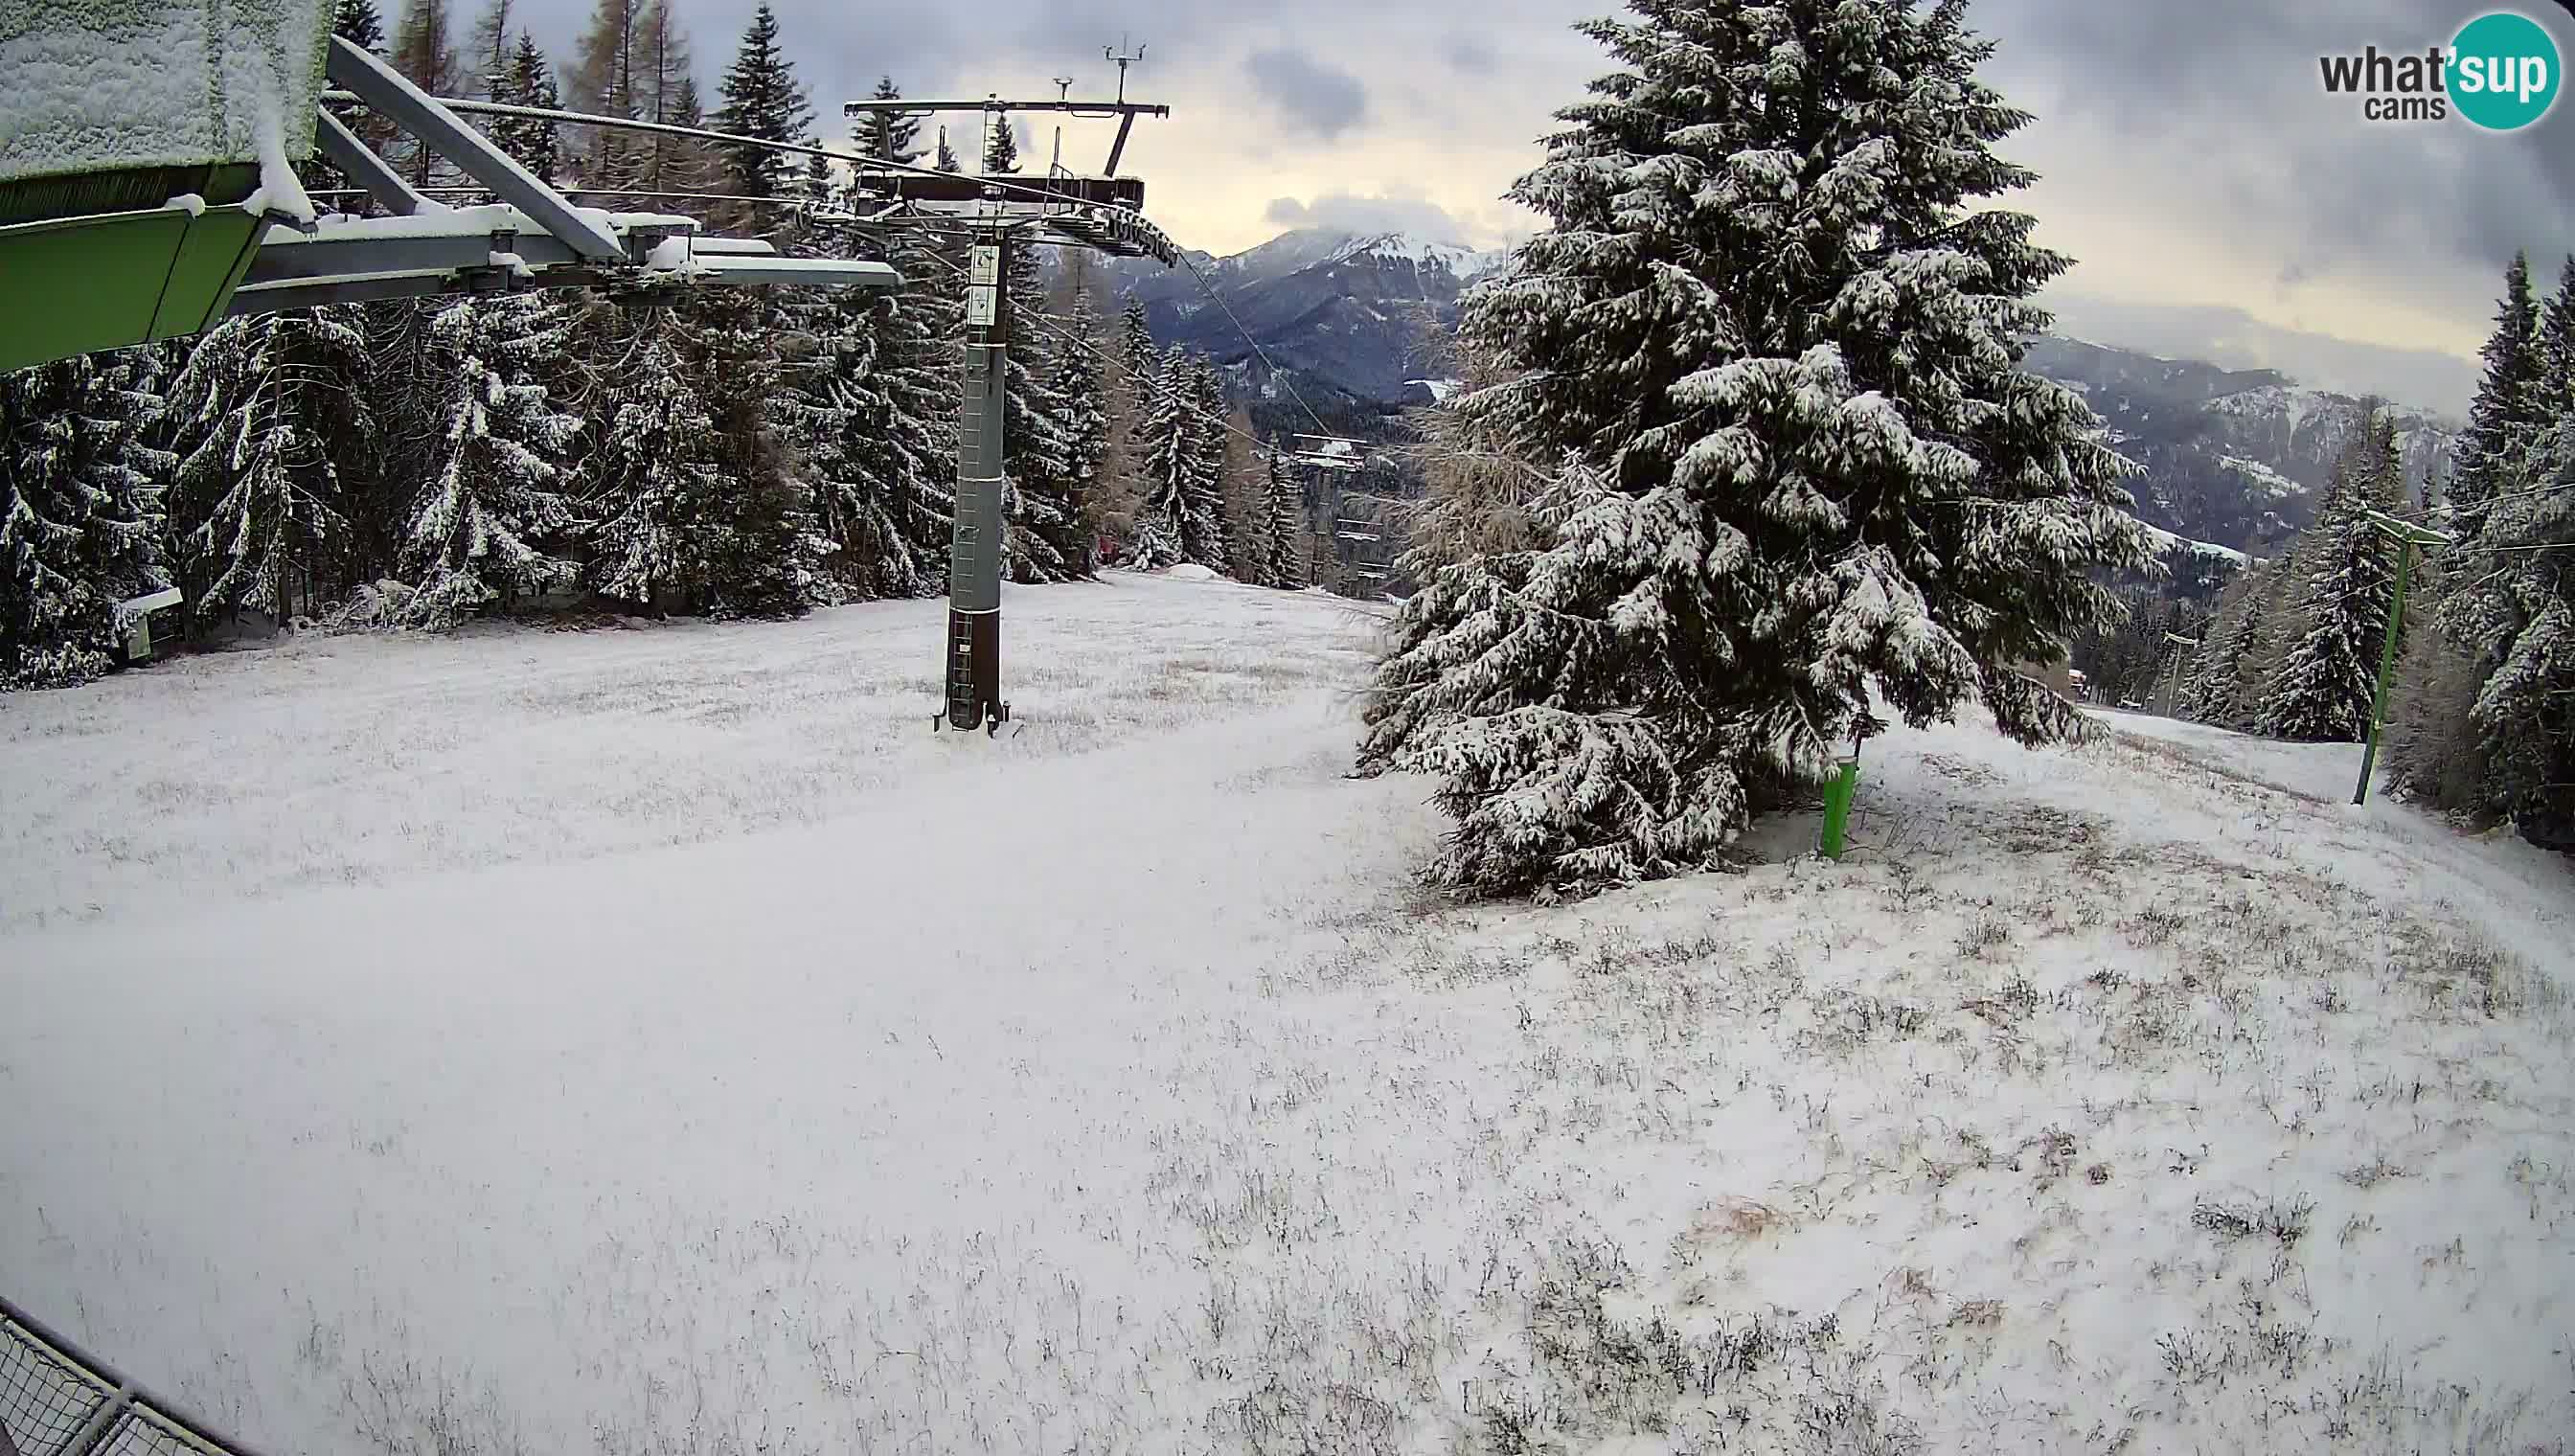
<point x="2219" y="202"/>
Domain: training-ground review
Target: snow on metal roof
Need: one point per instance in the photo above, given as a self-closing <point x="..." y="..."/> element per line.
<point x="105" y="85"/>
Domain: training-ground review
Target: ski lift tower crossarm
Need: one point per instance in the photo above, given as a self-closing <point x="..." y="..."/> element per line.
<point x="1103" y="212"/>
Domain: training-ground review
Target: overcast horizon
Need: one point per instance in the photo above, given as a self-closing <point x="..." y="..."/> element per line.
<point x="2216" y="200"/>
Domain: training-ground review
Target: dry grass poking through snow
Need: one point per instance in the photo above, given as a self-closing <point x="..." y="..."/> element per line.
<point x="2040" y="1127"/>
<point x="2105" y="1100"/>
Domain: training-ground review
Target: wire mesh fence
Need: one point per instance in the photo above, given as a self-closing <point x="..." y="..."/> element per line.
<point x="55" y="1400"/>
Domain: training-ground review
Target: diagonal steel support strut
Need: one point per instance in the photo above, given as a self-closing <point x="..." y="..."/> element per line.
<point x="443" y="132"/>
<point x="367" y="170"/>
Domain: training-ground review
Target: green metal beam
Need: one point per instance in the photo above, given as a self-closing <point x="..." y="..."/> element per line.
<point x="2407" y="536"/>
<point x="83" y="284"/>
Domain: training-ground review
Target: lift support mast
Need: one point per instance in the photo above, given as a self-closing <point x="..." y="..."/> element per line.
<point x="1103" y="213"/>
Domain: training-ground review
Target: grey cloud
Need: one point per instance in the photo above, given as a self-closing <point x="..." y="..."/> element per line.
<point x="2208" y="111"/>
<point x="2236" y="340"/>
<point x="1355" y="214"/>
<point x="1468" y="53"/>
<point x="949" y="52"/>
<point x="1311" y="95"/>
<point x="2217" y="105"/>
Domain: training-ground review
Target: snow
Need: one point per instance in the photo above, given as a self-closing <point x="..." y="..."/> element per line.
<point x="1189" y="572"/>
<point x="1441" y="389"/>
<point x="100" y="85"/>
<point x="2171" y="542"/>
<point x="2291" y="405"/>
<point x="1463" y="261"/>
<point x="278" y="191"/>
<point x="2262" y="476"/>
<point x="127" y="89"/>
<point x="660" y="1040"/>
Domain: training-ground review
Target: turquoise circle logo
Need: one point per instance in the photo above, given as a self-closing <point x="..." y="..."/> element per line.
<point x="2503" y="71"/>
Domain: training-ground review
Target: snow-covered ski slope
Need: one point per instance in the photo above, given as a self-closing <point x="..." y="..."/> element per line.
<point x="659" y="1040"/>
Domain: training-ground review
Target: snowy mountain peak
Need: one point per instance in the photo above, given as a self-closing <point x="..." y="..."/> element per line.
<point x="1462" y="261"/>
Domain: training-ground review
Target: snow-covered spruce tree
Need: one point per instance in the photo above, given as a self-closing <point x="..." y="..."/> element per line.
<point x="2210" y="694"/>
<point x="1134" y="347"/>
<point x="826" y="347"/>
<point x="888" y="136"/>
<point x="909" y="451"/>
<point x="2504" y="417"/>
<point x="2437" y="746"/>
<point x="2322" y="690"/>
<point x="763" y="99"/>
<point x="2524" y="714"/>
<point x="492" y="511"/>
<point x="1159" y="537"/>
<point x="1247" y="503"/>
<point x="1287" y="526"/>
<point x="80" y="511"/>
<point x="1080" y="401"/>
<point x="2517" y="603"/>
<point x="651" y="468"/>
<point x="266" y="412"/>
<point x="1000" y="147"/>
<point x="1777" y="353"/>
<point x="2553" y="344"/>
<point x="2436" y="750"/>
<point x="360" y="23"/>
<point x="836" y="428"/>
<point x="1203" y="535"/>
<point x="2431" y="745"/>
<point x="757" y="538"/>
<point x="1047" y="509"/>
<point x="947" y="159"/>
<point x="529" y="81"/>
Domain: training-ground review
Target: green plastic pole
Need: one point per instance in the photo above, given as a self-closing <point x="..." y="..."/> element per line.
<point x="1837" y="802"/>
<point x="2386" y="667"/>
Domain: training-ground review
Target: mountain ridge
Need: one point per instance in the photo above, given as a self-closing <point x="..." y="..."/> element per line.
<point x="2232" y="461"/>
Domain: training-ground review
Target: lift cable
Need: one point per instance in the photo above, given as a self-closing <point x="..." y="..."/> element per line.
<point x="1272" y="365"/>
